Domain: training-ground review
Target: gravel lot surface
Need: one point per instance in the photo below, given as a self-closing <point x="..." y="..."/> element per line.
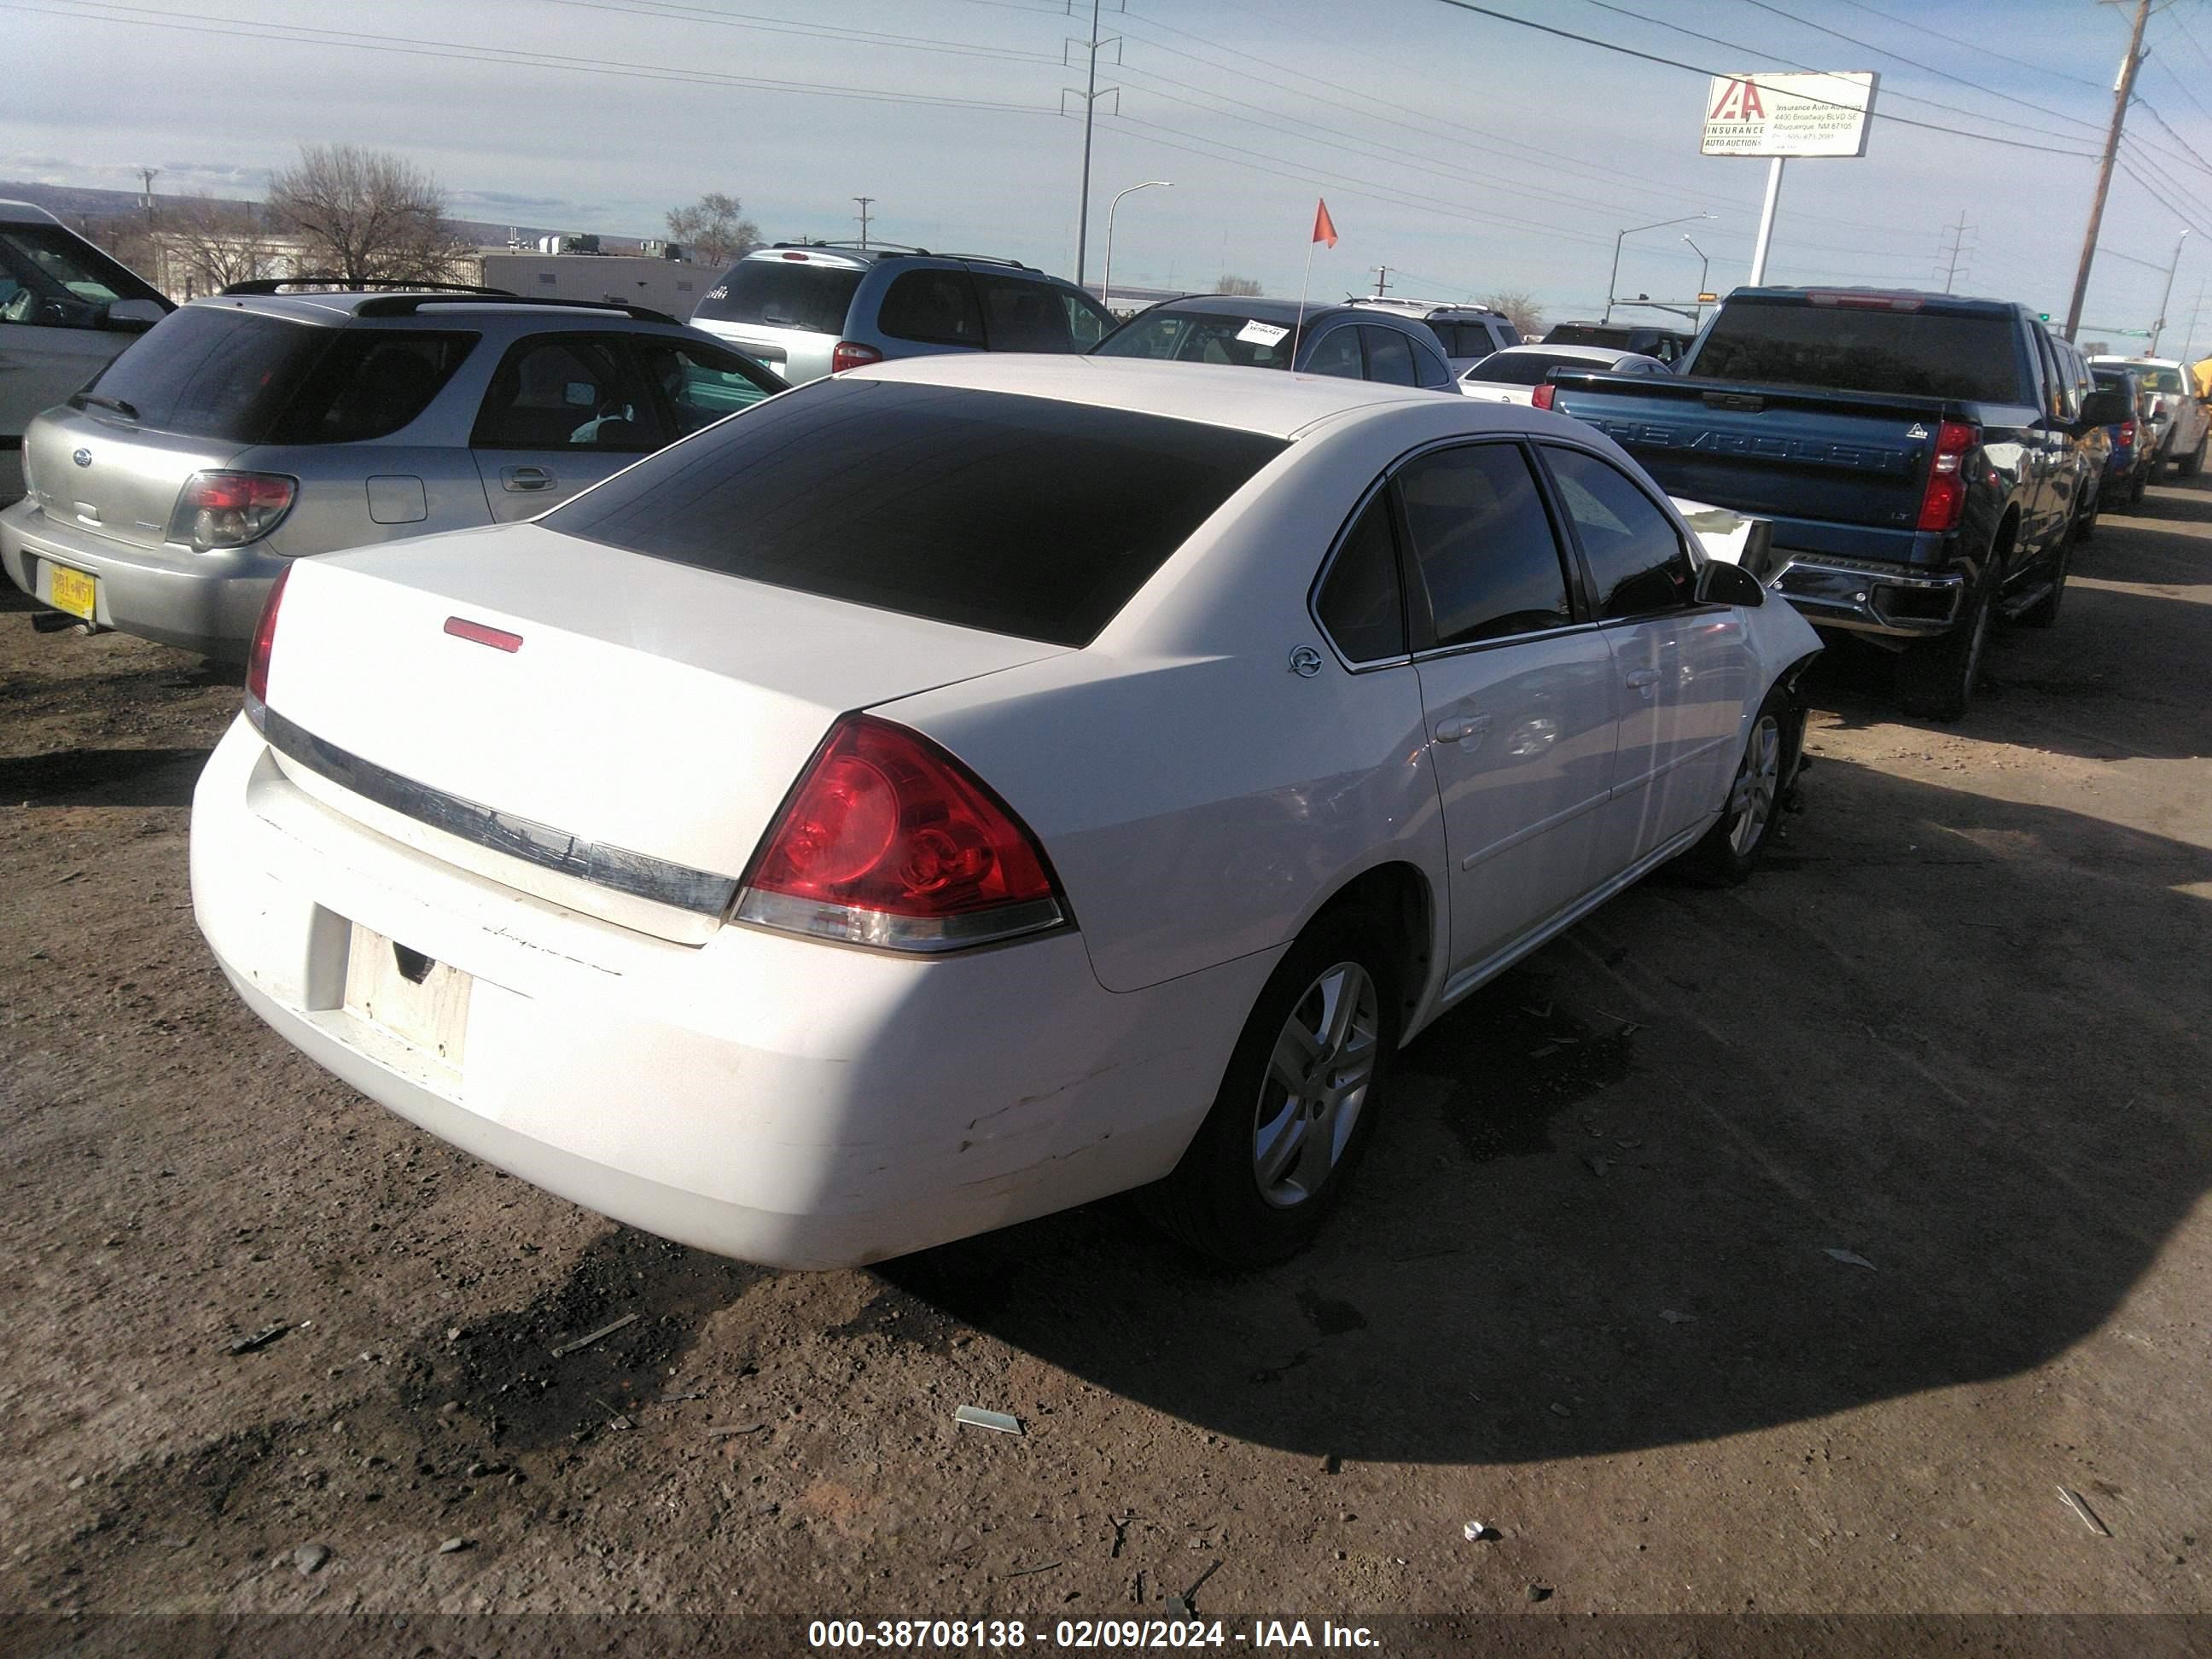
<point x="1782" y="1250"/>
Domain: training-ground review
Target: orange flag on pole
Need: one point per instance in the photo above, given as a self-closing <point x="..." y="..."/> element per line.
<point x="1324" y="227"/>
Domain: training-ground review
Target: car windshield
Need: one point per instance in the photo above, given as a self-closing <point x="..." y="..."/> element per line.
<point x="782" y="294"/>
<point x="213" y="372"/>
<point x="1203" y="337"/>
<point x="1531" y="367"/>
<point x="1971" y="357"/>
<point x="1018" y="515"/>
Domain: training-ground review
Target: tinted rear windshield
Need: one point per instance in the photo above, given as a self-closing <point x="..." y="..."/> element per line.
<point x="212" y="373"/>
<point x="1531" y="367"/>
<point x="1470" y="339"/>
<point x="1018" y="515"/>
<point x="1929" y="353"/>
<point x="782" y="294"/>
<point x="1202" y="337"/>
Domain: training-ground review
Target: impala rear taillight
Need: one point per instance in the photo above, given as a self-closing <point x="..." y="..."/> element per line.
<point x="1543" y="396"/>
<point x="851" y="354"/>
<point x="256" y="656"/>
<point x="889" y="841"/>
<point x="229" y="509"/>
<point x="1944" y="502"/>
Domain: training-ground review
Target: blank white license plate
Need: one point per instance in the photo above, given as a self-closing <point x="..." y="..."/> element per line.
<point x="401" y="990"/>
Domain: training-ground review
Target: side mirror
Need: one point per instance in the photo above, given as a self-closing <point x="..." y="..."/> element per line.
<point x="2106" y="408"/>
<point x="1729" y="584"/>
<point x="132" y="316"/>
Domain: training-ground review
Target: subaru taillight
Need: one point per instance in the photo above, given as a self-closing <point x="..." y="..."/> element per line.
<point x="889" y="841"/>
<point x="1944" y="503"/>
<point x="1543" y="396"/>
<point x="851" y="354"/>
<point x="229" y="509"/>
<point x="257" y="655"/>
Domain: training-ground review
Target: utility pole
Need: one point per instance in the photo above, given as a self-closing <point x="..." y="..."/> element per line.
<point x="1382" y="279"/>
<point x="2123" y="89"/>
<point x="146" y="199"/>
<point x="1958" y="247"/>
<point x="2158" y="323"/>
<point x="1091" y="92"/>
<point x="864" y="201"/>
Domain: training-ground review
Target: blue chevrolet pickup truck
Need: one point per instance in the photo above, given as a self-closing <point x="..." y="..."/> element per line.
<point x="1926" y="460"/>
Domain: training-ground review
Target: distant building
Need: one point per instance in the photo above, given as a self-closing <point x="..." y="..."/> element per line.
<point x="671" y="285"/>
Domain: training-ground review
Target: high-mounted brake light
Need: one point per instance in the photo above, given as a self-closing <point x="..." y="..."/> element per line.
<point x="1944" y="502"/>
<point x="264" y="642"/>
<point x="1543" y="396"/>
<point x="1868" y="301"/>
<point x="889" y="841"/>
<point x="229" y="509"/>
<point x="851" y="354"/>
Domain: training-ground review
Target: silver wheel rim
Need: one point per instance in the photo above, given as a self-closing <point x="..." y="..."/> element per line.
<point x="1758" y="780"/>
<point x="1315" y="1084"/>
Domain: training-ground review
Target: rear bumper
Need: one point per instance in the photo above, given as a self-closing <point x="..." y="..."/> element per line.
<point x="202" y="602"/>
<point x="774" y="1099"/>
<point x="1869" y="598"/>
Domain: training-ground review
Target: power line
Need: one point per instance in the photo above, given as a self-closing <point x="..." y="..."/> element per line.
<point x="460" y="52"/>
<point x="670" y="12"/>
<point x="1971" y="45"/>
<point x="1891" y="94"/>
<point x="2151" y="110"/>
<point x="1724" y="75"/>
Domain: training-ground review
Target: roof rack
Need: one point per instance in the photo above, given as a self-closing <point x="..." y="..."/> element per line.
<point x="406" y="305"/>
<point x="898" y="250"/>
<point x="853" y="246"/>
<point x="326" y="279"/>
<point x="987" y="259"/>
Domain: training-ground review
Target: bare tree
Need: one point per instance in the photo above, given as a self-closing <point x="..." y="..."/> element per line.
<point x="1521" y="310"/>
<point x="1243" y="286"/>
<point x="213" y="243"/>
<point x="366" y="216"/>
<point x="715" y="228"/>
<point x="126" y="238"/>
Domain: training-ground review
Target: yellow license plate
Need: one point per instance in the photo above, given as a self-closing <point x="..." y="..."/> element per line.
<point x="73" y="591"/>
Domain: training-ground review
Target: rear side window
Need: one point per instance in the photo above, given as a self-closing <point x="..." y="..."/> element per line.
<point x="1483" y="544"/>
<point x="699" y="385"/>
<point x="782" y="293"/>
<point x="212" y="372"/>
<point x="936" y="308"/>
<point x="1389" y="355"/>
<point x="1972" y="358"/>
<point x="1360" y="603"/>
<point x="1636" y="558"/>
<point x="369" y="384"/>
<point x="1337" y="353"/>
<point x="566" y="391"/>
<point x="1018" y="515"/>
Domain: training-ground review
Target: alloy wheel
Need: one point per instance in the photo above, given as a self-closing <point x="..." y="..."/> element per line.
<point x="1315" y="1084"/>
<point x="1757" y="780"/>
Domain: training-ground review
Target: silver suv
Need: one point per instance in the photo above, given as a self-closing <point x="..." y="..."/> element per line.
<point x="247" y="430"/>
<point x="1467" y="333"/>
<point x="808" y="309"/>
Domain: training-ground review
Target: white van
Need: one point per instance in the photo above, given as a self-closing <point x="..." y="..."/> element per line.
<point x="66" y="309"/>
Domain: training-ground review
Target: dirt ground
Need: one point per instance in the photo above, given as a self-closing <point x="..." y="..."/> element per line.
<point x="1588" y="1291"/>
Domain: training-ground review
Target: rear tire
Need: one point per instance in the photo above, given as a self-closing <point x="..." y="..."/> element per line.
<point x="2044" y="611"/>
<point x="2085" y="522"/>
<point x="1937" y="677"/>
<point x="1733" y="847"/>
<point x="2138" y="481"/>
<point x="2190" y="466"/>
<point x="1276" y="1152"/>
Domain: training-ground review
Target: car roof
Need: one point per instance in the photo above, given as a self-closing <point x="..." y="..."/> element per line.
<point x="1262" y="309"/>
<point x="2141" y="362"/>
<point x="425" y="307"/>
<point x="845" y="256"/>
<point x="1273" y="402"/>
<point x="23" y="213"/>
<point x="1425" y="309"/>
<point x="1538" y="348"/>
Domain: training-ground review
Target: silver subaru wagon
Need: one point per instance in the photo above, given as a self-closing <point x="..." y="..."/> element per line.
<point x="253" y="427"/>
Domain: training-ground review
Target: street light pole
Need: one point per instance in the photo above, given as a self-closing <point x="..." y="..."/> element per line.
<point x="1106" y="282"/>
<point x="1704" y="264"/>
<point x="1612" y="278"/>
<point x="2158" y="325"/>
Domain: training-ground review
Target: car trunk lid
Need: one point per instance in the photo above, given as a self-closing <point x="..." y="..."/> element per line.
<point x="99" y="472"/>
<point x="650" y="717"/>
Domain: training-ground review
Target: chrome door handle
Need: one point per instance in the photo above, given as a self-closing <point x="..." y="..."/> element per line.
<point x="1642" y="679"/>
<point x="1464" y="731"/>
<point x="526" y="477"/>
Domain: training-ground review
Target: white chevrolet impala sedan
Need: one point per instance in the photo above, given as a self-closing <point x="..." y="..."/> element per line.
<point x="965" y="787"/>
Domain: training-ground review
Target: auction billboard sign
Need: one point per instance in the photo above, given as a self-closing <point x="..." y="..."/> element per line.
<point x="1788" y="114"/>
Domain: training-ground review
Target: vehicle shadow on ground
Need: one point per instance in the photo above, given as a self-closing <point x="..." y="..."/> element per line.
<point x="1606" y="1209"/>
<point x="102" y="777"/>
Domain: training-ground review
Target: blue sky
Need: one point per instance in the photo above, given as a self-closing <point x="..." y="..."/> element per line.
<point x="1464" y="152"/>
